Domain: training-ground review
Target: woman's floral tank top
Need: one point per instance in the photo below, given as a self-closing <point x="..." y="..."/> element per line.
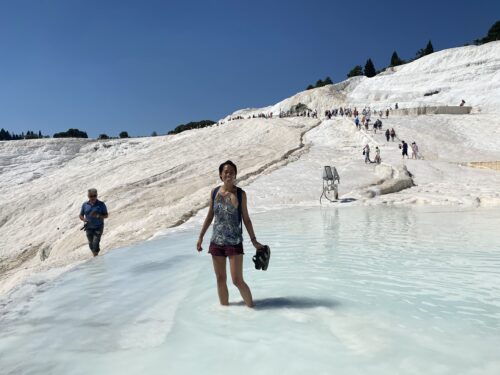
<point x="226" y="230"/>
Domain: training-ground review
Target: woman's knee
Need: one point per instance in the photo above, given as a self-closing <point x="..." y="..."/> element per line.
<point x="238" y="281"/>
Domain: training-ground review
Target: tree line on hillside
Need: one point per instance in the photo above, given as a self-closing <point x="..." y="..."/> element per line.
<point x="191" y="125"/>
<point x="320" y="83"/>
<point x="77" y="133"/>
<point x="8" y="136"/>
<point x="369" y="69"/>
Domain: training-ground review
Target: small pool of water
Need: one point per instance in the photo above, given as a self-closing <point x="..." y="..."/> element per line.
<point x="358" y="290"/>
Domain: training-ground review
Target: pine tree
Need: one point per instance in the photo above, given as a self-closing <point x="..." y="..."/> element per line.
<point x="310" y="87"/>
<point x="327" y="81"/>
<point x="425" y="51"/>
<point x="370" y="69"/>
<point x="356" y="71"/>
<point x="319" y="83"/>
<point x="395" y="60"/>
<point x="429" y="48"/>
<point x="4" y="135"/>
<point x="124" y="134"/>
<point x="493" y="33"/>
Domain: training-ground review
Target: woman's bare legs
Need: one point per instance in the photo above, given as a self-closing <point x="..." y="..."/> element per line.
<point x="236" y="265"/>
<point x="220" y="273"/>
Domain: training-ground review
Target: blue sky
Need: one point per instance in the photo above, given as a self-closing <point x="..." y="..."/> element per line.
<point x="144" y="66"/>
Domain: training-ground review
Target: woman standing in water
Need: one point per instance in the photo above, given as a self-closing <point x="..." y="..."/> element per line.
<point x="228" y="204"/>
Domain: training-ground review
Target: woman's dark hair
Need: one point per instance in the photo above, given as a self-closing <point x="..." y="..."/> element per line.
<point x="228" y="162"/>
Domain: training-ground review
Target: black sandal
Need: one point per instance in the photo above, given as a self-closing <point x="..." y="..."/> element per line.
<point x="261" y="258"/>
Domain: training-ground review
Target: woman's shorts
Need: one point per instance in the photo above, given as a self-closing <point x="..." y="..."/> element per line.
<point x="225" y="250"/>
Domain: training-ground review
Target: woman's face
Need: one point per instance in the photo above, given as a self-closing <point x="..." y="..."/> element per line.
<point x="228" y="174"/>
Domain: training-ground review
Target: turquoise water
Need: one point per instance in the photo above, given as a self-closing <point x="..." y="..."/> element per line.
<point x="356" y="290"/>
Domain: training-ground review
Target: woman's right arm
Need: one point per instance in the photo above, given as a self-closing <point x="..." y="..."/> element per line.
<point x="206" y="224"/>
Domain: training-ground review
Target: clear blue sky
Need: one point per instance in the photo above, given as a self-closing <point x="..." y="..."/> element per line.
<point x="142" y="66"/>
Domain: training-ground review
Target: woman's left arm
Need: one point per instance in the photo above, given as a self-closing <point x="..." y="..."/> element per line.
<point x="248" y="222"/>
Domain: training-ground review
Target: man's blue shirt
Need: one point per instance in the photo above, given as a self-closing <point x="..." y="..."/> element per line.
<point x="89" y="210"/>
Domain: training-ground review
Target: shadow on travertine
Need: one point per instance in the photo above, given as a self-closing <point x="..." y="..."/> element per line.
<point x="292" y="303"/>
<point x="347" y="200"/>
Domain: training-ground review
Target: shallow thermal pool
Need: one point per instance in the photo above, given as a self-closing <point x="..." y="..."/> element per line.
<point x="360" y="290"/>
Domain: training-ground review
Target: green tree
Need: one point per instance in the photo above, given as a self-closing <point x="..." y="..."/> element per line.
<point x="493" y="34"/>
<point x="31" y="135"/>
<point x="395" y="60"/>
<point x="192" y="125"/>
<point x="71" y="133"/>
<point x="370" y="69"/>
<point x="299" y="107"/>
<point x="356" y="71"/>
<point x="5" y="135"/>
<point x="103" y="136"/>
<point x="320" y="83"/>
<point x="425" y="51"/>
<point x="429" y="48"/>
<point x="124" y="134"/>
<point x="154" y="134"/>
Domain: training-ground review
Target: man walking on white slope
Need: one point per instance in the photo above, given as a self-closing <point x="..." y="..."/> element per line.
<point x="93" y="213"/>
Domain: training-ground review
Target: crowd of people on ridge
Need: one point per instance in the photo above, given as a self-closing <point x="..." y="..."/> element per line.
<point x="361" y="119"/>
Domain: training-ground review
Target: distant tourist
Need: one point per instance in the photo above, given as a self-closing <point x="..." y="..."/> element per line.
<point x="93" y="213"/>
<point x="396" y="106"/>
<point x="228" y="204"/>
<point x="387" y="113"/>
<point x="404" y="147"/>
<point x="393" y="134"/>
<point x="414" y="151"/>
<point x="462" y="104"/>
<point x="378" y="160"/>
<point x="366" y="153"/>
<point x="388" y="134"/>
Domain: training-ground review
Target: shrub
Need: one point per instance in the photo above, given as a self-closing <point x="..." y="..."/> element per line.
<point x="71" y="133"/>
<point x="191" y="125"/>
<point x="356" y="71"/>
